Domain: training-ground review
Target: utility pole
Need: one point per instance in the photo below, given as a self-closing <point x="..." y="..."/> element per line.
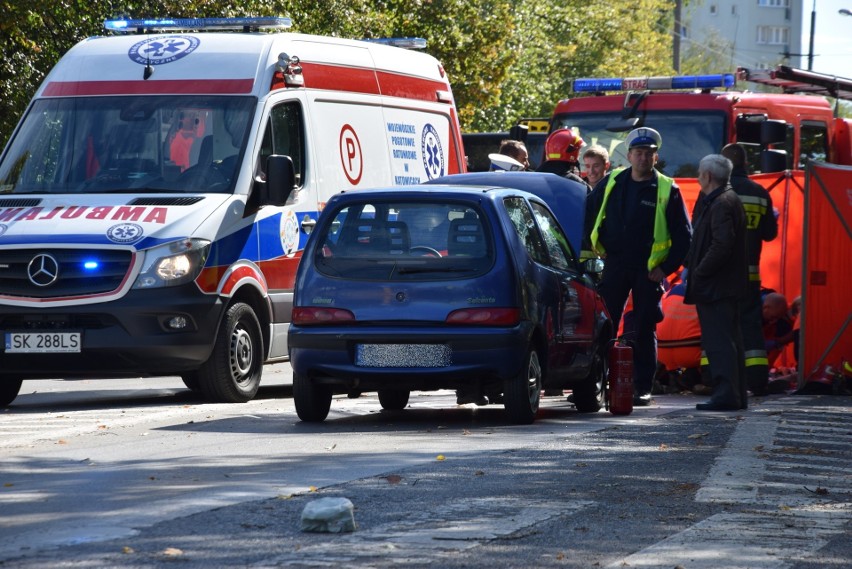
<point x="811" y="48"/>
<point x="676" y="37"/>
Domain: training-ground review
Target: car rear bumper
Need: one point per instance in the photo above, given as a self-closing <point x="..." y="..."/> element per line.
<point x="436" y="358"/>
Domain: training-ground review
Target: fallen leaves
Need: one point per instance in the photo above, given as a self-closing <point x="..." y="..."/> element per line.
<point x="440" y="457"/>
<point x="698" y="435"/>
<point x="393" y="478"/>
<point x="172" y="552"/>
<point x="819" y="490"/>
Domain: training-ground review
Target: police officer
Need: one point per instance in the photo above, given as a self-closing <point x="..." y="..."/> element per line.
<point x="761" y="225"/>
<point x="637" y="221"/>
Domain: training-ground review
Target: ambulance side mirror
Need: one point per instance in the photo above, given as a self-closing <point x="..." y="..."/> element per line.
<point x="280" y="179"/>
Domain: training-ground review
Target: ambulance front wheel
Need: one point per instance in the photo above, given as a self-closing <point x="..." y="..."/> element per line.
<point x="9" y="389"/>
<point x="232" y="374"/>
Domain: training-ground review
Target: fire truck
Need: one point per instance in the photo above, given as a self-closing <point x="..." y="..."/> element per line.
<point x="698" y="115"/>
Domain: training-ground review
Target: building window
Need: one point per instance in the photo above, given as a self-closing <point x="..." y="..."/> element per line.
<point x="733" y="10"/>
<point x="773" y="35"/>
<point x="712" y="9"/>
<point x="774" y="3"/>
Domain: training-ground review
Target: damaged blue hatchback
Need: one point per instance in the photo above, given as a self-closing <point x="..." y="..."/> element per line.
<point x="422" y="288"/>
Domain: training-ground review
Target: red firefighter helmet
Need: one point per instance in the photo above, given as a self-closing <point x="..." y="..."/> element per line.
<point x="563" y="145"/>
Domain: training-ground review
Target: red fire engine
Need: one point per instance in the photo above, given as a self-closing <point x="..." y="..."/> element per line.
<point x="698" y="115"/>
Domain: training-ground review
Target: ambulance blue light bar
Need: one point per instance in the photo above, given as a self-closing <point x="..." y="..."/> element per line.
<point x="725" y="80"/>
<point x="197" y="24"/>
<point x="406" y="43"/>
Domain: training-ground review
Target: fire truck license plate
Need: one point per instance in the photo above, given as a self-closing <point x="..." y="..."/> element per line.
<point x="42" y="342"/>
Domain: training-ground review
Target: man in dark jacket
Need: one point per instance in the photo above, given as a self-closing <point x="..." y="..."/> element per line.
<point x="761" y="225"/>
<point x="718" y="276"/>
<point x="636" y="220"/>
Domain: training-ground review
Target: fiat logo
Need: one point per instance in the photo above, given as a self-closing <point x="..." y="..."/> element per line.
<point x="43" y="270"/>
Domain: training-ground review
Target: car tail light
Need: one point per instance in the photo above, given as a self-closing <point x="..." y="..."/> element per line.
<point x="321" y="315"/>
<point x="485" y="317"/>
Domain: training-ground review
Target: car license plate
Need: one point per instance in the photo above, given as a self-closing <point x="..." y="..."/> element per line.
<point x="43" y="342"/>
<point x="403" y="355"/>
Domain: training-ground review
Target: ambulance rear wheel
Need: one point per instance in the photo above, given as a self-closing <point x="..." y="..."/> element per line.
<point x="9" y="389"/>
<point x="232" y="374"/>
<point x="522" y="394"/>
<point x="312" y="400"/>
<point x="589" y="395"/>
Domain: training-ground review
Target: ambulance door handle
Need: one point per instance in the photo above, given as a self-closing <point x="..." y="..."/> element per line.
<point x="308" y="224"/>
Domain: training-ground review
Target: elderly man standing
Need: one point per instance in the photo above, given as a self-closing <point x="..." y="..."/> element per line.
<point x="718" y="279"/>
<point x="637" y="221"/>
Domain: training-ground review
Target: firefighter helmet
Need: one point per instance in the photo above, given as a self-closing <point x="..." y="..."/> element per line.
<point x="563" y="145"/>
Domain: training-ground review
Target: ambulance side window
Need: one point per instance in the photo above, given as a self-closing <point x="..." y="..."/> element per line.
<point x="285" y="135"/>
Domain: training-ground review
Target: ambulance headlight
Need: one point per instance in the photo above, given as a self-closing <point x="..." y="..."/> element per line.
<point x="173" y="264"/>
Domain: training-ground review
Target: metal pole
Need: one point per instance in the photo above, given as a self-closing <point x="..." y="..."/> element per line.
<point x="811" y="48"/>
<point x="676" y="37"/>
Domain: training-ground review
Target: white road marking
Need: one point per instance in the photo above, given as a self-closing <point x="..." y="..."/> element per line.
<point x="789" y="519"/>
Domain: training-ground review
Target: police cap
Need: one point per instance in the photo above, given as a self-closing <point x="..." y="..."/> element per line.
<point x="644" y="138"/>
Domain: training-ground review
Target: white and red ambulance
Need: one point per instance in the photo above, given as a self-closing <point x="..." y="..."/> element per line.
<point x="157" y="194"/>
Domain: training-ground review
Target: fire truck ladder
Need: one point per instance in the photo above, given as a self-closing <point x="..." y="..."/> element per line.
<point x="792" y="80"/>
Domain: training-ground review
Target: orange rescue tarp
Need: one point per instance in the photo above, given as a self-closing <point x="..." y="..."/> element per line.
<point x="781" y="260"/>
<point x="827" y="269"/>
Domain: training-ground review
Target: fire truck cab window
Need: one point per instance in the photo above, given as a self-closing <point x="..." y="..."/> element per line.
<point x="813" y="142"/>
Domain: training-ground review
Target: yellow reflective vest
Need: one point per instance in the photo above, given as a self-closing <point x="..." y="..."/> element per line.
<point x="662" y="237"/>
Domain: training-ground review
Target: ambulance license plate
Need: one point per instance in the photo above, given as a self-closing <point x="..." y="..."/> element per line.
<point x="43" y="342"/>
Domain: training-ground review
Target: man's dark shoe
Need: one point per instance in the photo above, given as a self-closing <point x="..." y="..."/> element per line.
<point x="642" y="400"/>
<point x="713" y="406"/>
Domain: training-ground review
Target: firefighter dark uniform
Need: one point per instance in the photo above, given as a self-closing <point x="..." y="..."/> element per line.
<point x="761" y="226"/>
<point x="636" y="227"/>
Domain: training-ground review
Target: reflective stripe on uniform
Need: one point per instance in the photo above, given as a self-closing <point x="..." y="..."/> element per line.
<point x="756" y="358"/>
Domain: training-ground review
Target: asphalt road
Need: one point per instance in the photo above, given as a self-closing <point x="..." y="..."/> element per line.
<point x="141" y="474"/>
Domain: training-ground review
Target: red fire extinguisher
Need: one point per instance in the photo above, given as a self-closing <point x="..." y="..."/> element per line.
<point x="620" y="378"/>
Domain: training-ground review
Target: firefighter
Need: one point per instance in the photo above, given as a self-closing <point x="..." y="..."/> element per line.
<point x="637" y="221"/>
<point x="562" y="155"/>
<point x="761" y="226"/>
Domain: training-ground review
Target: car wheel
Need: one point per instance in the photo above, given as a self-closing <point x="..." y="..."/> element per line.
<point x="191" y="381"/>
<point x="393" y="399"/>
<point x="589" y="395"/>
<point x="522" y="394"/>
<point x="312" y="401"/>
<point x="9" y="389"/>
<point x="232" y="374"/>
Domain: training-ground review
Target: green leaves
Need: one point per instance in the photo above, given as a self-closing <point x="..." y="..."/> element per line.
<point x="505" y="59"/>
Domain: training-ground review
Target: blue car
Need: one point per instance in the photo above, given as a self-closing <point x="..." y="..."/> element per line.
<point x="475" y="288"/>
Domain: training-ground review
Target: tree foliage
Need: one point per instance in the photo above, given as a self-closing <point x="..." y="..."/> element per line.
<point x="504" y="59"/>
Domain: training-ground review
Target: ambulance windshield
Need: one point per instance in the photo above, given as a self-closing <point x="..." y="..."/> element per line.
<point x="128" y="145"/>
<point x="688" y="136"/>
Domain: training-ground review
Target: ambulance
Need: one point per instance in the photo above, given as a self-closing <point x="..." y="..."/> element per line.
<point x="157" y="194"/>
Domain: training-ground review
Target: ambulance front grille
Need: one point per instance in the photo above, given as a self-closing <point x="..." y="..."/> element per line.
<point x="58" y="273"/>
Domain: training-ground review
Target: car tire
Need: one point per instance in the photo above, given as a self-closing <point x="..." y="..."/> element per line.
<point x="191" y="381"/>
<point x="9" y="389"/>
<point x="393" y="399"/>
<point x="522" y="394"/>
<point x="312" y="401"/>
<point x="589" y="396"/>
<point x="232" y="373"/>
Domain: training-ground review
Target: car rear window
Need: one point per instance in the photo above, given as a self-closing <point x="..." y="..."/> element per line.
<point x="405" y="241"/>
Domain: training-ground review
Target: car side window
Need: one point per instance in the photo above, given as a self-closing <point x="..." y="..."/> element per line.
<point x="561" y="256"/>
<point x="524" y="224"/>
<point x="284" y="135"/>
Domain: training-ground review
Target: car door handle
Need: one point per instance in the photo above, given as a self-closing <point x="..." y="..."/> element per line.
<point x="308" y="224"/>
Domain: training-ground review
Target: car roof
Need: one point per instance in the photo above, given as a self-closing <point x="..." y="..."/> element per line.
<point x="566" y="198"/>
<point x="443" y="191"/>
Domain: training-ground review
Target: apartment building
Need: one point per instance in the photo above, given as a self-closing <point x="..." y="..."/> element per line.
<point x="758" y="34"/>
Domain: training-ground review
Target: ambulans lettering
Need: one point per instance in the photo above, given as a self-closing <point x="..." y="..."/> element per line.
<point x="433" y="153"/>
<point x="163" y="49"/>
<point x="122" y="213"/>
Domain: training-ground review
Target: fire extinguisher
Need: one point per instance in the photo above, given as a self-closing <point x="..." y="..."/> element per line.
<point x="620" y="378"/>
